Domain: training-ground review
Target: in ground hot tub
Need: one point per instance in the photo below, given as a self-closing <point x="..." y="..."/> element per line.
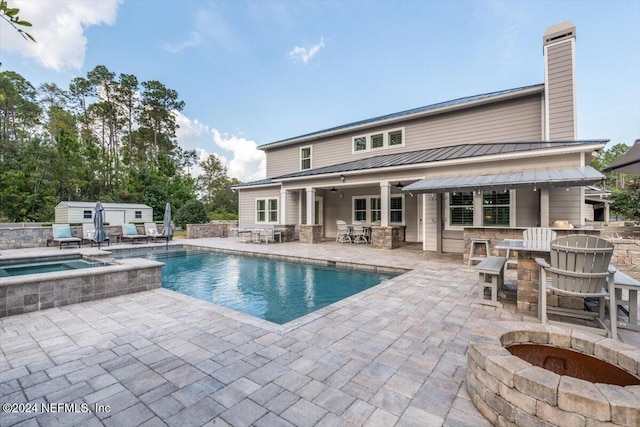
<point x="529" y="374"/>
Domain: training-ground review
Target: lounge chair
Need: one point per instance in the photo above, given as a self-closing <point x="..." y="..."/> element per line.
<point x="62" y="236"/>
<point x="579" y="267"/>
<point x="151" y="231"/>
<point x="130" y="232"/>
<point x="89" y="234"/>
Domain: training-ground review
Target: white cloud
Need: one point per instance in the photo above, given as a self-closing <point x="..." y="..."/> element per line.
<point x="58" y="27"/>
<point x="208" y="25"/>
<point x="305" y="55"/>
<point x="244" y="161"/>
<point x="248" y="163"/>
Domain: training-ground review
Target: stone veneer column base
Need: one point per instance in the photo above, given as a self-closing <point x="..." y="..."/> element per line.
<point x="385" y="237"/>
<point x="310" y="233"/>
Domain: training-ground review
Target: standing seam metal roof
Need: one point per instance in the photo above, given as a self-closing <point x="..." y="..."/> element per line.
<point x="427" y="156"/>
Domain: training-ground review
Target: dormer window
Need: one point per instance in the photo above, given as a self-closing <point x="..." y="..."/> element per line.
<point x="305" y="158"/>
<point x="379" y="140"/>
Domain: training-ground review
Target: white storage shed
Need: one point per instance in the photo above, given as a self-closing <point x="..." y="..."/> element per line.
<point x="114" y="213"/>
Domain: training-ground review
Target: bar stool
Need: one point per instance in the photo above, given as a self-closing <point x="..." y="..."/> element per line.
<point x="473" y="244"/>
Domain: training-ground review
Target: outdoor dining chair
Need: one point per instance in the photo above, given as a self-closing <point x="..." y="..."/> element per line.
<point x="344" y="234"/>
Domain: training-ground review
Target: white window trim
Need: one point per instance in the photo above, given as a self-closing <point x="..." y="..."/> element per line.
<point x="385" y="140"/>
<point x="477" y="204"/>
<point x="368" y="207"/>
<point x="266" y="210"/>
<point x="310" y="157"/>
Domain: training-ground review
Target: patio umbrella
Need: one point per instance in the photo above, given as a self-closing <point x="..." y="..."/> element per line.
<point x="98" y="223"/>
<point x="167" y="230"/>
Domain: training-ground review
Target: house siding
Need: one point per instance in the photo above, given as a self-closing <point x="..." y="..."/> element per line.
<point x="560" y="90"/>
<point x="247" y="203"/>
<point x="506" y="121"/>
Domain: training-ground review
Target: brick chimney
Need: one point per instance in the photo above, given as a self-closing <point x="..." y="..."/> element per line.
<point x="559" y="43"/>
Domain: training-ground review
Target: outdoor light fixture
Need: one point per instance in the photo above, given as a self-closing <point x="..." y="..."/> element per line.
<point x="342" y="178"/>
<point x="334" y="190"/>
<point x="399" y="185"/>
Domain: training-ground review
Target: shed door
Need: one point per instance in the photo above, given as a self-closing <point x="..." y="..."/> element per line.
<point x="114" y="217"/>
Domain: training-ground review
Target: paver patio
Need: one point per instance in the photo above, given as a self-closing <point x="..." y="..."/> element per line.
<point x="394" y="354"/>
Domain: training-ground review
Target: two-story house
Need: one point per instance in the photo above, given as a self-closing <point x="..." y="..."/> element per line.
<point x="506" y="159"/>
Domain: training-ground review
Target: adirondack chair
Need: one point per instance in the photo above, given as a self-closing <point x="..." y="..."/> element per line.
<point x="539" y="234"/>
<point x="534" y="234"/>
<point x="579" y="267"/>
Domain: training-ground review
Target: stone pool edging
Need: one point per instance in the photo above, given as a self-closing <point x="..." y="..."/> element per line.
<point x="34" y="292"/>
<point x="316" y="261"/>
<point x="507" y="390"/>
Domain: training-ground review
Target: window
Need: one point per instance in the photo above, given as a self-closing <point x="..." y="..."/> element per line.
<point x="395" y="214"/>
<point x="360" y="209"/>
<point x="461" y="209"/>
<point x="138" y="215"/>
<point x="376" y="209"/>
<point x="496" y="208"/>
<point x="305" y="158"/>
<point x="379" y="140"/>
<point x="273" y="210"/>
<point x="395" y="137"/>
<point x="267" y="210"/>
<point x="86" y="214"/>
<point x="369" y="209"/>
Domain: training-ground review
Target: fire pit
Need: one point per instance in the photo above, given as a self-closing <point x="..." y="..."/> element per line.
<point x="529" y="374"/>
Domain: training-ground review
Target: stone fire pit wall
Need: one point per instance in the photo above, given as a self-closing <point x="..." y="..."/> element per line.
<point x="510" y="391"/>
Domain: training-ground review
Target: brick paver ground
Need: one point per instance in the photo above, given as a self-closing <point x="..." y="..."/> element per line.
<point x="392" y="355"/>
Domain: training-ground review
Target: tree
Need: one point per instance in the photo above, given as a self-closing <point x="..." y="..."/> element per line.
<point x="605" y="158"/>
<point x="193" y="212"/>
<point x="11" y="16"/>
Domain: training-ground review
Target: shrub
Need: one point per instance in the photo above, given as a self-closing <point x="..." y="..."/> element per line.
<point x="192" y="212"/>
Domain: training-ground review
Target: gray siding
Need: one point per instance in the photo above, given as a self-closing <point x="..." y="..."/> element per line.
<point x="527" y="208"/>
<point x="566" y="205"/>
<point x="247" y="203"/>
<point x="506" y="121"/>
<point x="560" y="91"/>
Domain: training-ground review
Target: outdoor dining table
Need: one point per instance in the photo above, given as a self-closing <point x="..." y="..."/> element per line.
<point x="528" y="269"/>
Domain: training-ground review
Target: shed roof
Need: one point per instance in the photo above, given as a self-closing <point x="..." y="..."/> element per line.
<point x="105" y="205"/>
<point x="458" y="103"/>
<point x="431" y="155"/>
<point x="571" y="176"/>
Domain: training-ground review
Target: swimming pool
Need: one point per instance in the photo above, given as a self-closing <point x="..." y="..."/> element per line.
<point x="19" y="268"/>
<point x="273" y="290"/>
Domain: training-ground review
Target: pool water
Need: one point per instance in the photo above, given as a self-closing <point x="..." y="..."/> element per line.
<point x="19" y="269"/>
<point x="273" y="290"/>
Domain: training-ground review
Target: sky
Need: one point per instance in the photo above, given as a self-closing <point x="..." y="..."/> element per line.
<point x="256" y="72"/>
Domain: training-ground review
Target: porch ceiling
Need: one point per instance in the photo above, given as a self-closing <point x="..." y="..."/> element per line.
<point x="541" y="178"/>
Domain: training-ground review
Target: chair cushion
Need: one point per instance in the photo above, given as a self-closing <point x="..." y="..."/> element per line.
<point x="91" y="234"/>
<point x="153" y="231"/>
<point x="61" y="232"/>
<point x="130" y="230"/>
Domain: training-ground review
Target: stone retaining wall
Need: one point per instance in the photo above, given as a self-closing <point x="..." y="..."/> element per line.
<point x="33" y="237"/>
<point x="212" y="229"/>
<point x="626" y="256"/>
